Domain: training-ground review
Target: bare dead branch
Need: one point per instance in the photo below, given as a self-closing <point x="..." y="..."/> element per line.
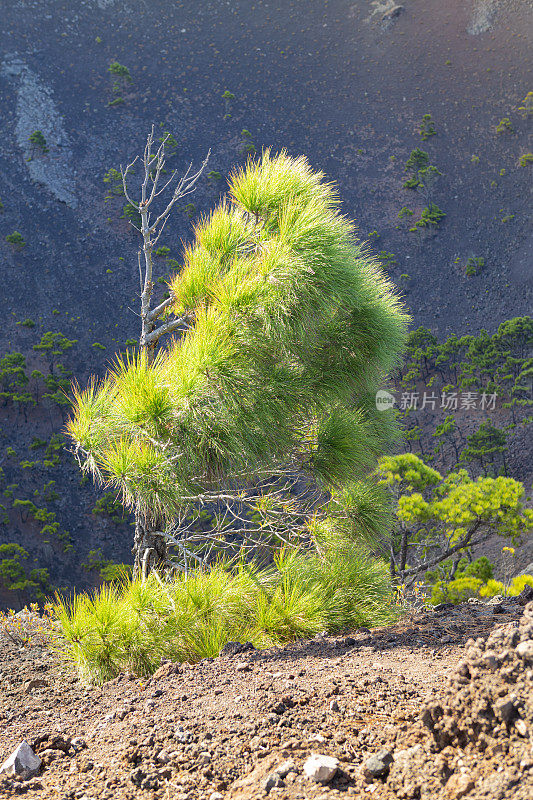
<point x="161" y="308"/>
<point x="168" y="327"/>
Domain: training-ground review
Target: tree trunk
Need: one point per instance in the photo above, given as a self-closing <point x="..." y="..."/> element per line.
<point x="403" y="549"/>
<point x="150" y="548"/>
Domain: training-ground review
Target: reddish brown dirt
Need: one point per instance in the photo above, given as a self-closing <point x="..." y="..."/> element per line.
<point x="219" y="728"/>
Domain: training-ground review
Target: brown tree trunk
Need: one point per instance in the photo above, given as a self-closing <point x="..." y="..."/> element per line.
<point x="149" y="548"/>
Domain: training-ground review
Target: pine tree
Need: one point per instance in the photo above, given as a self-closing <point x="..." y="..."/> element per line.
<point x="265" y="406"/>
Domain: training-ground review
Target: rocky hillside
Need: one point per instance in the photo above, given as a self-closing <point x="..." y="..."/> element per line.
<point x="356" y="86"/>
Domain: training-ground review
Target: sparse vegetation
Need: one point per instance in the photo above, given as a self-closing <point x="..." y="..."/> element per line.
<point x="526" y="109"/>
<point x="430" y="217"/>
<point x="442" y="517"/>
<point x="473" y="265"/>
<point x="405" y="212"/>
<point x="228" y="98"/>
<point x="427" y="127"/>
<point x="504" y="126"/>
<point x="16" y="239"/>
<point x="38" y="143"/>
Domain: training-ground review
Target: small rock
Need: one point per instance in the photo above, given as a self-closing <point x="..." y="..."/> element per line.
<point x="459" y="784"/>
<point x="235" y="648"/>
<point x="378" y="765"/>
<point x="334" y="706"/>
<point x="50" y="755"/>
<point x="525" y="650"/>
<point x="167" y="669"/>
<point x="392" y="13"/>
<point x="34" y="683"/>
<point x="79" y="744"/>
<point x="505" y="709"/>
<point x="286" y="767"/>
<point x="23" y="761"/>
<point x="490" y="659"/>
<point x="321" y="769"/>
<point x="243" y="666"/>
<point x="521" y="727"/>
<point x="526" y="595"/>
<point x="273" y="781"/>
<point x="216" y="796"/>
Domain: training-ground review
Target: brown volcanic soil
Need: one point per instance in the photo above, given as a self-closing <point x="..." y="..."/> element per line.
<point x="217" y="729"/>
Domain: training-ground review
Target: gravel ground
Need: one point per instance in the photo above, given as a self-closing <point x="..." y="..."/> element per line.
<point x="220" y="729"/>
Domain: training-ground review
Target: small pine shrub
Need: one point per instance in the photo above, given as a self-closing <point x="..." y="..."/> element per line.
<point x="504" y="126"/>
<point x="405" y="212"/>
<point x="427" y="127"/>
<point x="38" y="142"/>
<point x="130" y="625"/>
<point x="474" y="265"/>
<point x="16" y="239"/>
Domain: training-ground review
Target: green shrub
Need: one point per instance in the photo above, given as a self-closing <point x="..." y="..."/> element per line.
<point x="491" y="588"/>
<point x="131" y="626"/>
<point x="519" y="583"/>
<point x="110" y="505"/>
<point x="527" y="108"/>
<point x="114" y="178"/>
<point x="474" y="265"/>
<point x="405" y="212"/>
<point x="16" y="239"/>
<point x="457" y="591"/>
<point x="38" y="142"/>
<point x="120" y="72"/>
<point x="481" y="568"/>
<point x="411" y="183"/>
<point x="387" y="259"/>
<point x="526" y="159"/>
<point x="431" y="215"/>
<point x="427" y="127"/>
<point x="504" y="126"/>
